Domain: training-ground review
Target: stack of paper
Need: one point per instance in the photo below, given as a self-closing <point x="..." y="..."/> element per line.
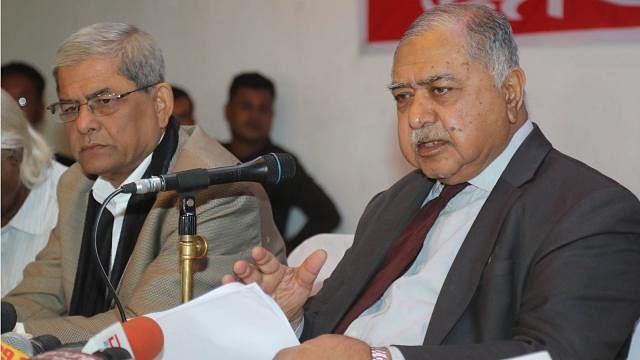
<point x="234" y="321"/>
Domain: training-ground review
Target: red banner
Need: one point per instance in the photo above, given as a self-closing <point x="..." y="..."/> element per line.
<point x="388" y="19"/>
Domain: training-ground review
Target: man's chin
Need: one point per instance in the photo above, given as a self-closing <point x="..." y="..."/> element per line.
<point x="436" y="173"/>
<point x="91" y="168"/>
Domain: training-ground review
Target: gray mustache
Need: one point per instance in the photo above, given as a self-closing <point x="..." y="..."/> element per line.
<point x="428" y="133"/>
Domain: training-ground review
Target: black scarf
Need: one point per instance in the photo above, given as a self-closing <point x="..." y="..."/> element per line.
<point x="90" y="294"/>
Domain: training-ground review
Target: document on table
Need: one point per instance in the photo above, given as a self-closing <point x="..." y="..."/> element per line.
<point x="234" y="321"/>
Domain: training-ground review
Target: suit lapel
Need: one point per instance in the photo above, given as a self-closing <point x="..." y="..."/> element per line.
<point x="470" y="261"/>
<point x="466" y="271"/>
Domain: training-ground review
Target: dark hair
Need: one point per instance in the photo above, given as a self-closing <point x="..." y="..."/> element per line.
<point x="20" y="68"/>
<point x="252" y="80"/>
<point x="179" y="92"/>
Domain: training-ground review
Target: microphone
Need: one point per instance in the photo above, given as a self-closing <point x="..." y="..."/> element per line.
<point x="16" y="346"/>
<point x="33" y="346"/>
<point x="44" y="343"/>
<point x="141" y="336"/>
<point x="271" y="168"/>
<point x="9" y="316"/>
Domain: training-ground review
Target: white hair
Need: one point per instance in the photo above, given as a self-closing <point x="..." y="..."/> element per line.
<point x="489" y="37"/>
<point x="18" y="134"/>
<point x="139" y="57"/>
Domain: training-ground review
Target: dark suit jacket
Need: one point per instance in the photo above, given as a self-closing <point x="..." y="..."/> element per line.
<point x="552" y="262"/>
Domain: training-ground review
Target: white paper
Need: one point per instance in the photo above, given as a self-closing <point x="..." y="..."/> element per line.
<point x="234" y="321"/>
<point x="113" y="336"/>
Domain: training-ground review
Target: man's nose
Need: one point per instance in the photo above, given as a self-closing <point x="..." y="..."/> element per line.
<point x="86" y="121"/>
<point x="421" y="111"/>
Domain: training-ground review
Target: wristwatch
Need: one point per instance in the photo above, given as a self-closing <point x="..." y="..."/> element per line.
<point x="380" y="353"/>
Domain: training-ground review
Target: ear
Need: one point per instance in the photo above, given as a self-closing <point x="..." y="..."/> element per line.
<point x="163" y="103"/>
<point x="513" y="90"/>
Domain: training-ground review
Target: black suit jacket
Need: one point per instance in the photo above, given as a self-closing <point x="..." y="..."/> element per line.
<point x="552" y="262"/>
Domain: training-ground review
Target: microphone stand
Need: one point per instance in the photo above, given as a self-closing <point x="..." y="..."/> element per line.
<point x="192" y="246"/>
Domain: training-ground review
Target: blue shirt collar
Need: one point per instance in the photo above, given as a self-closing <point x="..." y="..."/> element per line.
<point x="488" y="178"/>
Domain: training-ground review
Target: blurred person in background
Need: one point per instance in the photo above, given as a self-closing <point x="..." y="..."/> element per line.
<point x="29" y="202"/>
<point x="182" y="106"/>
<point x="26" y="85"/>
<point x="249" y="112"/>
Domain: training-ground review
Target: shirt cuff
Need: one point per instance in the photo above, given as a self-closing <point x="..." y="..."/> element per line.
<point x="395" y="353"/>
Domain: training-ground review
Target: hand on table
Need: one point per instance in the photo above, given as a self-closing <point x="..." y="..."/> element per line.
<point x="335" y="347"/>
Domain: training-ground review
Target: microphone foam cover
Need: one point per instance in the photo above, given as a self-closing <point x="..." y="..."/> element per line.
<point x="18" y="341"/>
<point x="9" y="317"/>
<point x="282" y="166"/>
<point x="145" y="337"/>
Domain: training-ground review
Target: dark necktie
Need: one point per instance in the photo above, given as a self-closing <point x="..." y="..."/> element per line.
<point x="403" y="252"/>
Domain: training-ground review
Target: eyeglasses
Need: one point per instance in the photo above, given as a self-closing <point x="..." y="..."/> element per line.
<point x="102" y="103"/>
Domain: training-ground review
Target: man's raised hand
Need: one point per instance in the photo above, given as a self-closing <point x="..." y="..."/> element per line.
<point x="289" y="286"/>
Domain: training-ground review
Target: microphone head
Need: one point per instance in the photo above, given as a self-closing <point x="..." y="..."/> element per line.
<point x="9" y="317"/>
<point x="115" y="353"/>
<point x="18" y="341"/>
<point x="281" y="167"/>
<point x="44" y="343"/>
<point x="145" y="337"/>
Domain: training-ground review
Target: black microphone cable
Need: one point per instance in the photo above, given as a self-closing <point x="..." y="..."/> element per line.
<point x="103" y="272"/>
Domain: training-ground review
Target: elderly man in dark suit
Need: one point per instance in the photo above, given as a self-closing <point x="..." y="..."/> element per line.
<point x="499" y="245"/>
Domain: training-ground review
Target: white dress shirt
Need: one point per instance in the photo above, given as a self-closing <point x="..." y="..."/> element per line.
<point x="28" y="231"/>
<point x="118" y="205"/>
<point x="401" y="316"/>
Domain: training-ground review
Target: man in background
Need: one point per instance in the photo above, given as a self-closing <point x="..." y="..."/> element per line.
<point x="25" y="84"/>
<point x="182" y="106"/>
<point x="116" y="109"/>
<point x="249" y="112"/>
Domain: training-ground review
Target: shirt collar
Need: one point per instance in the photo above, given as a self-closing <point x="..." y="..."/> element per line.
<point x="488" y="178"/>
<point x="103" y="188"/>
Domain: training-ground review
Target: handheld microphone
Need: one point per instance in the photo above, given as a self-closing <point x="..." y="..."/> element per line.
<point x="271" y="168"/>
<point x="33" y="346"/>
<point x="141" y="336"/>
<point x="16" y="346"/>
<point x="9" y="317"/>
<point x="44" y="343"/>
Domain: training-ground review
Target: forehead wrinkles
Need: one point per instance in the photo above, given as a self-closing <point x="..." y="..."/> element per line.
<point x="435" y="46"/>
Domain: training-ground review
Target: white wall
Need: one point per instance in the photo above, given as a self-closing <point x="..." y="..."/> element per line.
<point x="332" y="108"/>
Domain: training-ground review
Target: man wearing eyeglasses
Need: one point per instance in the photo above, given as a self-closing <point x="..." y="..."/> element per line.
<point x="116" y="109"/>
